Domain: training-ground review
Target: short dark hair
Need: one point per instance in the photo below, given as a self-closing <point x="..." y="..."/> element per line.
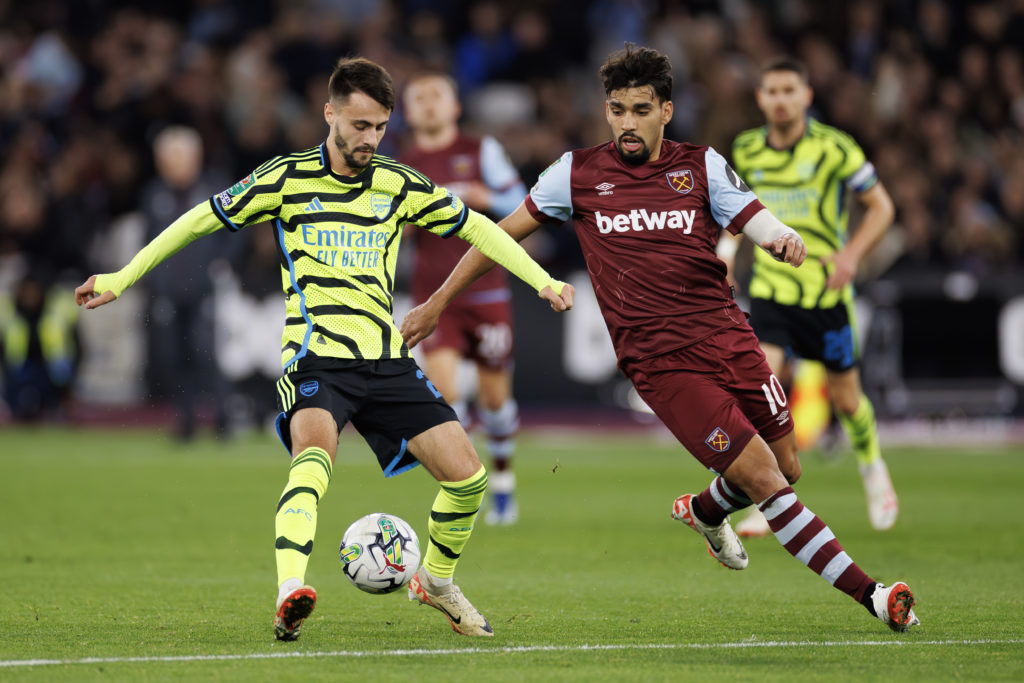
<point x="786" y="64"/>
<point x="358" y="73"/>
<point x="637" y="66"/>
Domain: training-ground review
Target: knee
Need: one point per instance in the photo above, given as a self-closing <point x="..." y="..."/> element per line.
<point x="792" y="470"/>
<point x="846" y="404"/>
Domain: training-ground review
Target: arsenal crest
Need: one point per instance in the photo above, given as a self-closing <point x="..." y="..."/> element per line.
<point x="680" y="181"/>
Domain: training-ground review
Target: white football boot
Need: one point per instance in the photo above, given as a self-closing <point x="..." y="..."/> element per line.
<point x="895" y="606"/>
<point x="883" y="507"/>
<point x="754" y="525"/>
<point x="450" y="601"/>
<point x="723" y="543"/>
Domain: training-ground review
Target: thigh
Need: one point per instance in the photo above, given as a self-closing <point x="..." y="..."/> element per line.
<point x="442" y="367"/>
<point x="700" y="412"/>
<point x="313" y="428"/>
<point x="446" y="452"/>
<point x="401" y="404"/>
<point x="758" y="391"/>
<point x="317" y="398"/>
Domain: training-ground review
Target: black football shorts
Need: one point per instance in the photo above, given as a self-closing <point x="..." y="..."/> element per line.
<point x="388" y="401"/>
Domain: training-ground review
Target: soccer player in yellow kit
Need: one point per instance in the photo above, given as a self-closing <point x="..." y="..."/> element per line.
<point x="338" y="211"/>
<point x="803" y="171"/>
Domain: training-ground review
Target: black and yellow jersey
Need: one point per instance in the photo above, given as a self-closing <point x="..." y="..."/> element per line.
<point x="338" y="239"/>
<point x="806" y="187"/>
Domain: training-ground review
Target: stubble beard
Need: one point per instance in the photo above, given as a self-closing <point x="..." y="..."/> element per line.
<point x="350" y="156"/>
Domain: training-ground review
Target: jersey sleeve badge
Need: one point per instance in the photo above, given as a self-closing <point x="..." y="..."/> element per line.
<point x="228" y="196"/>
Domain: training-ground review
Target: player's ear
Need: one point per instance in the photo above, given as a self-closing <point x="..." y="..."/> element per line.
<point x="329" y="113"/>
<point x="666" y="112"/>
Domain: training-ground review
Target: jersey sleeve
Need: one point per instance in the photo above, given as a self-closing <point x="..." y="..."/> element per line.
<point x="434" y="208"/>
<point x="856" y="171"/>
<point x="732" y="202"/>
<point x="193" y="224"/>
<point x="507" y="190"/>
<point x="497" y="245"/>
<point x="253" y="199"/>
<point x="550" y="200"/>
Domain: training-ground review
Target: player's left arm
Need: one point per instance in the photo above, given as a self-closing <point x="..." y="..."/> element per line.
<point x="878" y="216"/>
<point x="775" y="237"/>
<point x="737" y="209"/>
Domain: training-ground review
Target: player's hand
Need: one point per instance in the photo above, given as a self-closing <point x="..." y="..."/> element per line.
<point x="87" y="294"/>
<point x="843" y="271"/>
<point x="789" y="249"/>
<point x="419" y="323"/>
<point x="562" y="302"/>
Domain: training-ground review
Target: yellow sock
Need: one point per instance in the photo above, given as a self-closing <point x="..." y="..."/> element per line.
<point x="295" y="521"/>
<point x="863" y="431"/>
<point x="451" y="522"/>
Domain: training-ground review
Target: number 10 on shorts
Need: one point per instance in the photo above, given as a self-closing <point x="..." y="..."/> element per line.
<point x="774" y="393"/>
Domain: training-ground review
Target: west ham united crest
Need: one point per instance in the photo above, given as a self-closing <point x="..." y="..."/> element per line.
<point x="718" y="440"/>
<point x="680" y="181"/>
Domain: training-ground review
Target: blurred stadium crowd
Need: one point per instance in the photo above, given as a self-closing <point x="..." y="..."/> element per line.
<point x="933" y="90"/>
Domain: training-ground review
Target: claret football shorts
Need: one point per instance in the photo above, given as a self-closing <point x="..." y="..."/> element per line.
<point x="481" y="332"/>
<point x="389" y="402"/>
<point x="715" y="395"/>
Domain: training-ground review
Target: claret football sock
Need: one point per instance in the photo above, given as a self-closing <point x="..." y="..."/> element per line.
<point x="295" y="521"/>
<point x="451" y="522"/>
<point x="718" y="501"/>
<point x="808" y="539"/>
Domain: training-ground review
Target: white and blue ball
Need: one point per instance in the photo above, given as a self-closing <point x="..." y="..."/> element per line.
<point x="379" y="553"/>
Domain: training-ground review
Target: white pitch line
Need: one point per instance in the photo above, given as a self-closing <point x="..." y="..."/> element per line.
<point x="504" y="650"/>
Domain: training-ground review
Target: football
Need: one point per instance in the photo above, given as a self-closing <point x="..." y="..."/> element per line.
<point x="379" y="553"/>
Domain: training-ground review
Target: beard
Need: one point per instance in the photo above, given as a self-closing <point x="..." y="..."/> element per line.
<point x="637" y="158"/>
<point x="350" y="155"/>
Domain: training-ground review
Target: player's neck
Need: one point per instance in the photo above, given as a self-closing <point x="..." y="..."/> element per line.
<point x="431" y="141"/>
<point x="784" y="136"/>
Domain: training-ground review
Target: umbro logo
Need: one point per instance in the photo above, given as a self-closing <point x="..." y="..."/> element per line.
<point x="604" y="189"/>
<point x="314" y="206"/>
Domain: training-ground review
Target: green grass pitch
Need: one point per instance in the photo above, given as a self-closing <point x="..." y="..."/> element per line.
<point x="156" y="561"/>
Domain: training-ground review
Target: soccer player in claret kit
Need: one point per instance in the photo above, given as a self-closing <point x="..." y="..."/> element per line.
<point x="338" y="211"/>
<point x="647" y="213"/>
<point x="478" y="323"/>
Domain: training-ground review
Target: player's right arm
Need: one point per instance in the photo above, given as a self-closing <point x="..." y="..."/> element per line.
<point x="421" y="321"/>
<point x="254" y="199"/>
<point x="193" y="224"/>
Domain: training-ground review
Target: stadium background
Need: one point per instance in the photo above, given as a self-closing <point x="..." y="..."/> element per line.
<point x="934" y="92"/>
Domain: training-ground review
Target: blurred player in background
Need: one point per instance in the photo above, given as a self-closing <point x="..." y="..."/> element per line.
<point x="802" y="170"/>
<point x="338" y="211"/>
<point x="648" y="213"/>
<point x="478" y="323"/>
